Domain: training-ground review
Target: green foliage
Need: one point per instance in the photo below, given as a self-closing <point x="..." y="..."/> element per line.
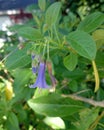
<point x="55" y="122"/>
<point x="83" y="44"/>
<point x="52" y="14"/>
<point x="55" y="105"/>
<point x="12" y="122"/>
<point x="42" y="4"/>
<point x="21" y="77"/>
<point x="30" y="33"/>
<point x="91" y="22"/>
<point x="71" y="61"/>
<point x="18" y="58"/>
<point x="87" y="117"/>
<point x="70" y="41"/>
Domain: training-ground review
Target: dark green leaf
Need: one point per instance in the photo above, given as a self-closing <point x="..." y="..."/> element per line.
<point x="55" y="105"/>
<point x="100" y="59"/>
<point x="70" y="61"/>
<point x="73" y="85"/>
<point x="12" y="122"/>
<point x="91" y="22"/>
<point x="83" y="44"/>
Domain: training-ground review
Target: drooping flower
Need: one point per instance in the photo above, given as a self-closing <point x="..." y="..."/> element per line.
<point x="53" y="79"/>
<point x="41" y="81"/>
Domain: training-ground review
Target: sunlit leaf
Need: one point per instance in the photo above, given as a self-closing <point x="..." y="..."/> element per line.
<point x="55" y="122"/>
<point x="42" y="4"/>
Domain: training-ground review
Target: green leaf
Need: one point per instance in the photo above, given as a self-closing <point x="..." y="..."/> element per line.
<point x="30" y="33"/>
<point x="12" y="122"/>
<point x="98" y="36"/>
<point x="3" y="112"/>
<point x="73" y="85"/>
<point x="22" y="77"/>
<point x="42" y="4"/>
<point x="22" y="115"/>
<point x="18" y="58"/>
<point x="22" y="93"/>
<point x="100" y="59"/>
<point x="52" y="14"/>
<point x="55" y="122"/>
<point x="55" y="105"/>
<point x="83" y="44"/>
<point x="1" y="127"/>
<point x="87" y="117"/>
<point x="91" y="22"/>
<point x="70" y="61"/>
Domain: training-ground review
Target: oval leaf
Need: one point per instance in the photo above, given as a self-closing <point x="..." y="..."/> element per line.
<point x="83" y="44"/>
<point x="42" y="4"/>
<point x="91" y="22"/>
<point x="30" y="33"/>
<point x="98" y="34"/>
<point x="70" y="61"/>
<point x="12" y="122"/>
<point x="18" y="58"/>
<point x="54" y="105"/>
<point x="55" y="122"/>
<point x="52" y="13"/>
<point x="21" y="77"/>
<point x="87" y="118"/>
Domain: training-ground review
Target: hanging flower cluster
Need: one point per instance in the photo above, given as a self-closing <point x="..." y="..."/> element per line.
<point x="40" y="69"/>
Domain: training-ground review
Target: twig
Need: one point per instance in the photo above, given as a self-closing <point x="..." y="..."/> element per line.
<point x="93" y="126"/>
<point x="82" y="91"/>
<point x="86" y="100"/>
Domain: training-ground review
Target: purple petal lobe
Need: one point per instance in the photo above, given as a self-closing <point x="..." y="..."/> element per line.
<point x="34" y="69"/>
<point x="32" y="56"/>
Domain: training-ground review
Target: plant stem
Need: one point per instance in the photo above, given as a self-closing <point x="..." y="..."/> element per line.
<point x="48" y="51"/>
<point x="56" y="34"/>
<point x="86" y="100"/>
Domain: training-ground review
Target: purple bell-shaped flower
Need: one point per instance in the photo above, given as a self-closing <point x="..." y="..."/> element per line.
<point x="40" y="81"/>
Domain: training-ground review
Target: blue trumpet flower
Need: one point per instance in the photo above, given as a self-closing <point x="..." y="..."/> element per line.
<point x="40" y="81"/>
